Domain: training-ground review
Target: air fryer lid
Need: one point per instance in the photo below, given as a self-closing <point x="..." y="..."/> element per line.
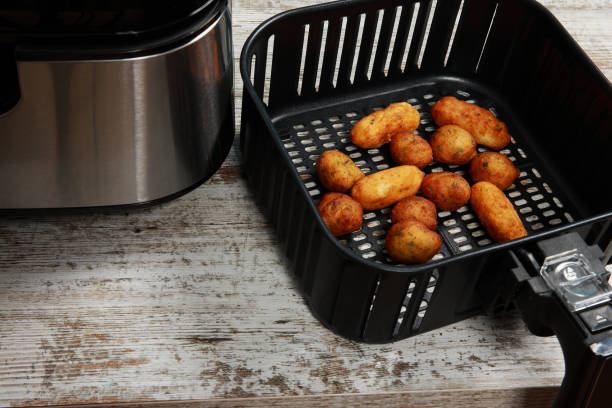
<point x="99" y="28"/>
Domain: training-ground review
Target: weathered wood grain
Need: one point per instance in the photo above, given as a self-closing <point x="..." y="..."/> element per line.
<point x="191" y="300"/>
<point x="499" y="398"/>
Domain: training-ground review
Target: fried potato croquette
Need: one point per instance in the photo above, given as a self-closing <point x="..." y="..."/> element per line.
<point x="448" y="191"/>
<point x="484" y="127"/>
<point x="453" y="145"/>
<point x="412" y="242"/>
<point x="377" y="128"/>
<point x="337" y="172"/>
<point x="495" y="168"/>
<point x="408" y="148"/>
<point x="387" y="187"/>
<point x="415" y="209"/>
<point x="340" y="213"/>
<point x="496" y="212"/>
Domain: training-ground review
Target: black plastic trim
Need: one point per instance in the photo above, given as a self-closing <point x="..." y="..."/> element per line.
<point x="128" y="45"/>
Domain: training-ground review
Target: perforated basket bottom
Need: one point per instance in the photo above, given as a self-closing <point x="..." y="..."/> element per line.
<point x="307" y="135"/>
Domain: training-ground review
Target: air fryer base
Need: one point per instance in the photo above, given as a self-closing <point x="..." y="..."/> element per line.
<point x="226" y="139"/>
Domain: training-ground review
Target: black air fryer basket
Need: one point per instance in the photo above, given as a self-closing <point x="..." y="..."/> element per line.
<point x="311" y="73"/>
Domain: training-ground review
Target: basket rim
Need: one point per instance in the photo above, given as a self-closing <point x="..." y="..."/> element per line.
<point x="346" y="252"/>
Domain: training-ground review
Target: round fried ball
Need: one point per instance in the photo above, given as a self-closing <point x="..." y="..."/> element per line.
<point x="340" y="213"/>
<point x="408" y="148"/>
<point x="337" y="172"/>
<point x="412" y="242"/>
<point x="453" y="145"/>
<point x="495" y="168"/>
<point x="448" y="191"/>
<point x="415" y="209"/>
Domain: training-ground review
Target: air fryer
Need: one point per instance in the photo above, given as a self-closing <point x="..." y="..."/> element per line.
<point x="112" y="103"/>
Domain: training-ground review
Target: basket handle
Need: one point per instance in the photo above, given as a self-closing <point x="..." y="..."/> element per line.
<point x="570" y="297"/>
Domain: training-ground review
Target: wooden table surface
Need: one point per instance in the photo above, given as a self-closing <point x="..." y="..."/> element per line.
<point x="191" y="300"/>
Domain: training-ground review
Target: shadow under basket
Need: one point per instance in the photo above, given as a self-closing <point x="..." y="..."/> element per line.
<point x="311" y="73"/>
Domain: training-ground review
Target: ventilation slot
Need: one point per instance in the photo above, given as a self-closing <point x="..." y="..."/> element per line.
<point x="402" y="314"/>
<point x="430" y="15"/>
<point x="357" y="47"/>
<point x="253" y="62"/>
<point x="339" y="54"/>
<point x="372" y="301"/>
<point x="380" y="15"/>
<point x="321" y="53"/>
<point x="423" y="303"/>
<point x="303" y="59"/>
<point x="484" y="45"/>
<point x="398" y="15"/>
<point x="269" y="58"/>
<point x="452" y="38"/>
<point x="423" y="306"/>
<point x="415" y="13"/>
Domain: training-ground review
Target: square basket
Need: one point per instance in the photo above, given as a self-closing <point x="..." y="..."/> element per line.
<point x="311" y="73"/>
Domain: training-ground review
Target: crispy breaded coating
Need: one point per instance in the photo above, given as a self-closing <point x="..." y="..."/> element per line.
<point x="408" y="148"/>
<point x="416" y="208"/>
<point x="484" y="127"/>
<point x="448" y="191"/>
<point x="377" y="128"/>
<point x="496" y="212"/>
<point x="386" y="187"/>
<point x="340" y="213"/>
<point x="495" y="168"/>
<point x="412" y="242"/>
<point x="337" y="172"/>
<point x="452" y="144"/>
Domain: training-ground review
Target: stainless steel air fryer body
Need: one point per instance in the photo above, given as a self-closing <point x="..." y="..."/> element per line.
<point x="122" y="129"/>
